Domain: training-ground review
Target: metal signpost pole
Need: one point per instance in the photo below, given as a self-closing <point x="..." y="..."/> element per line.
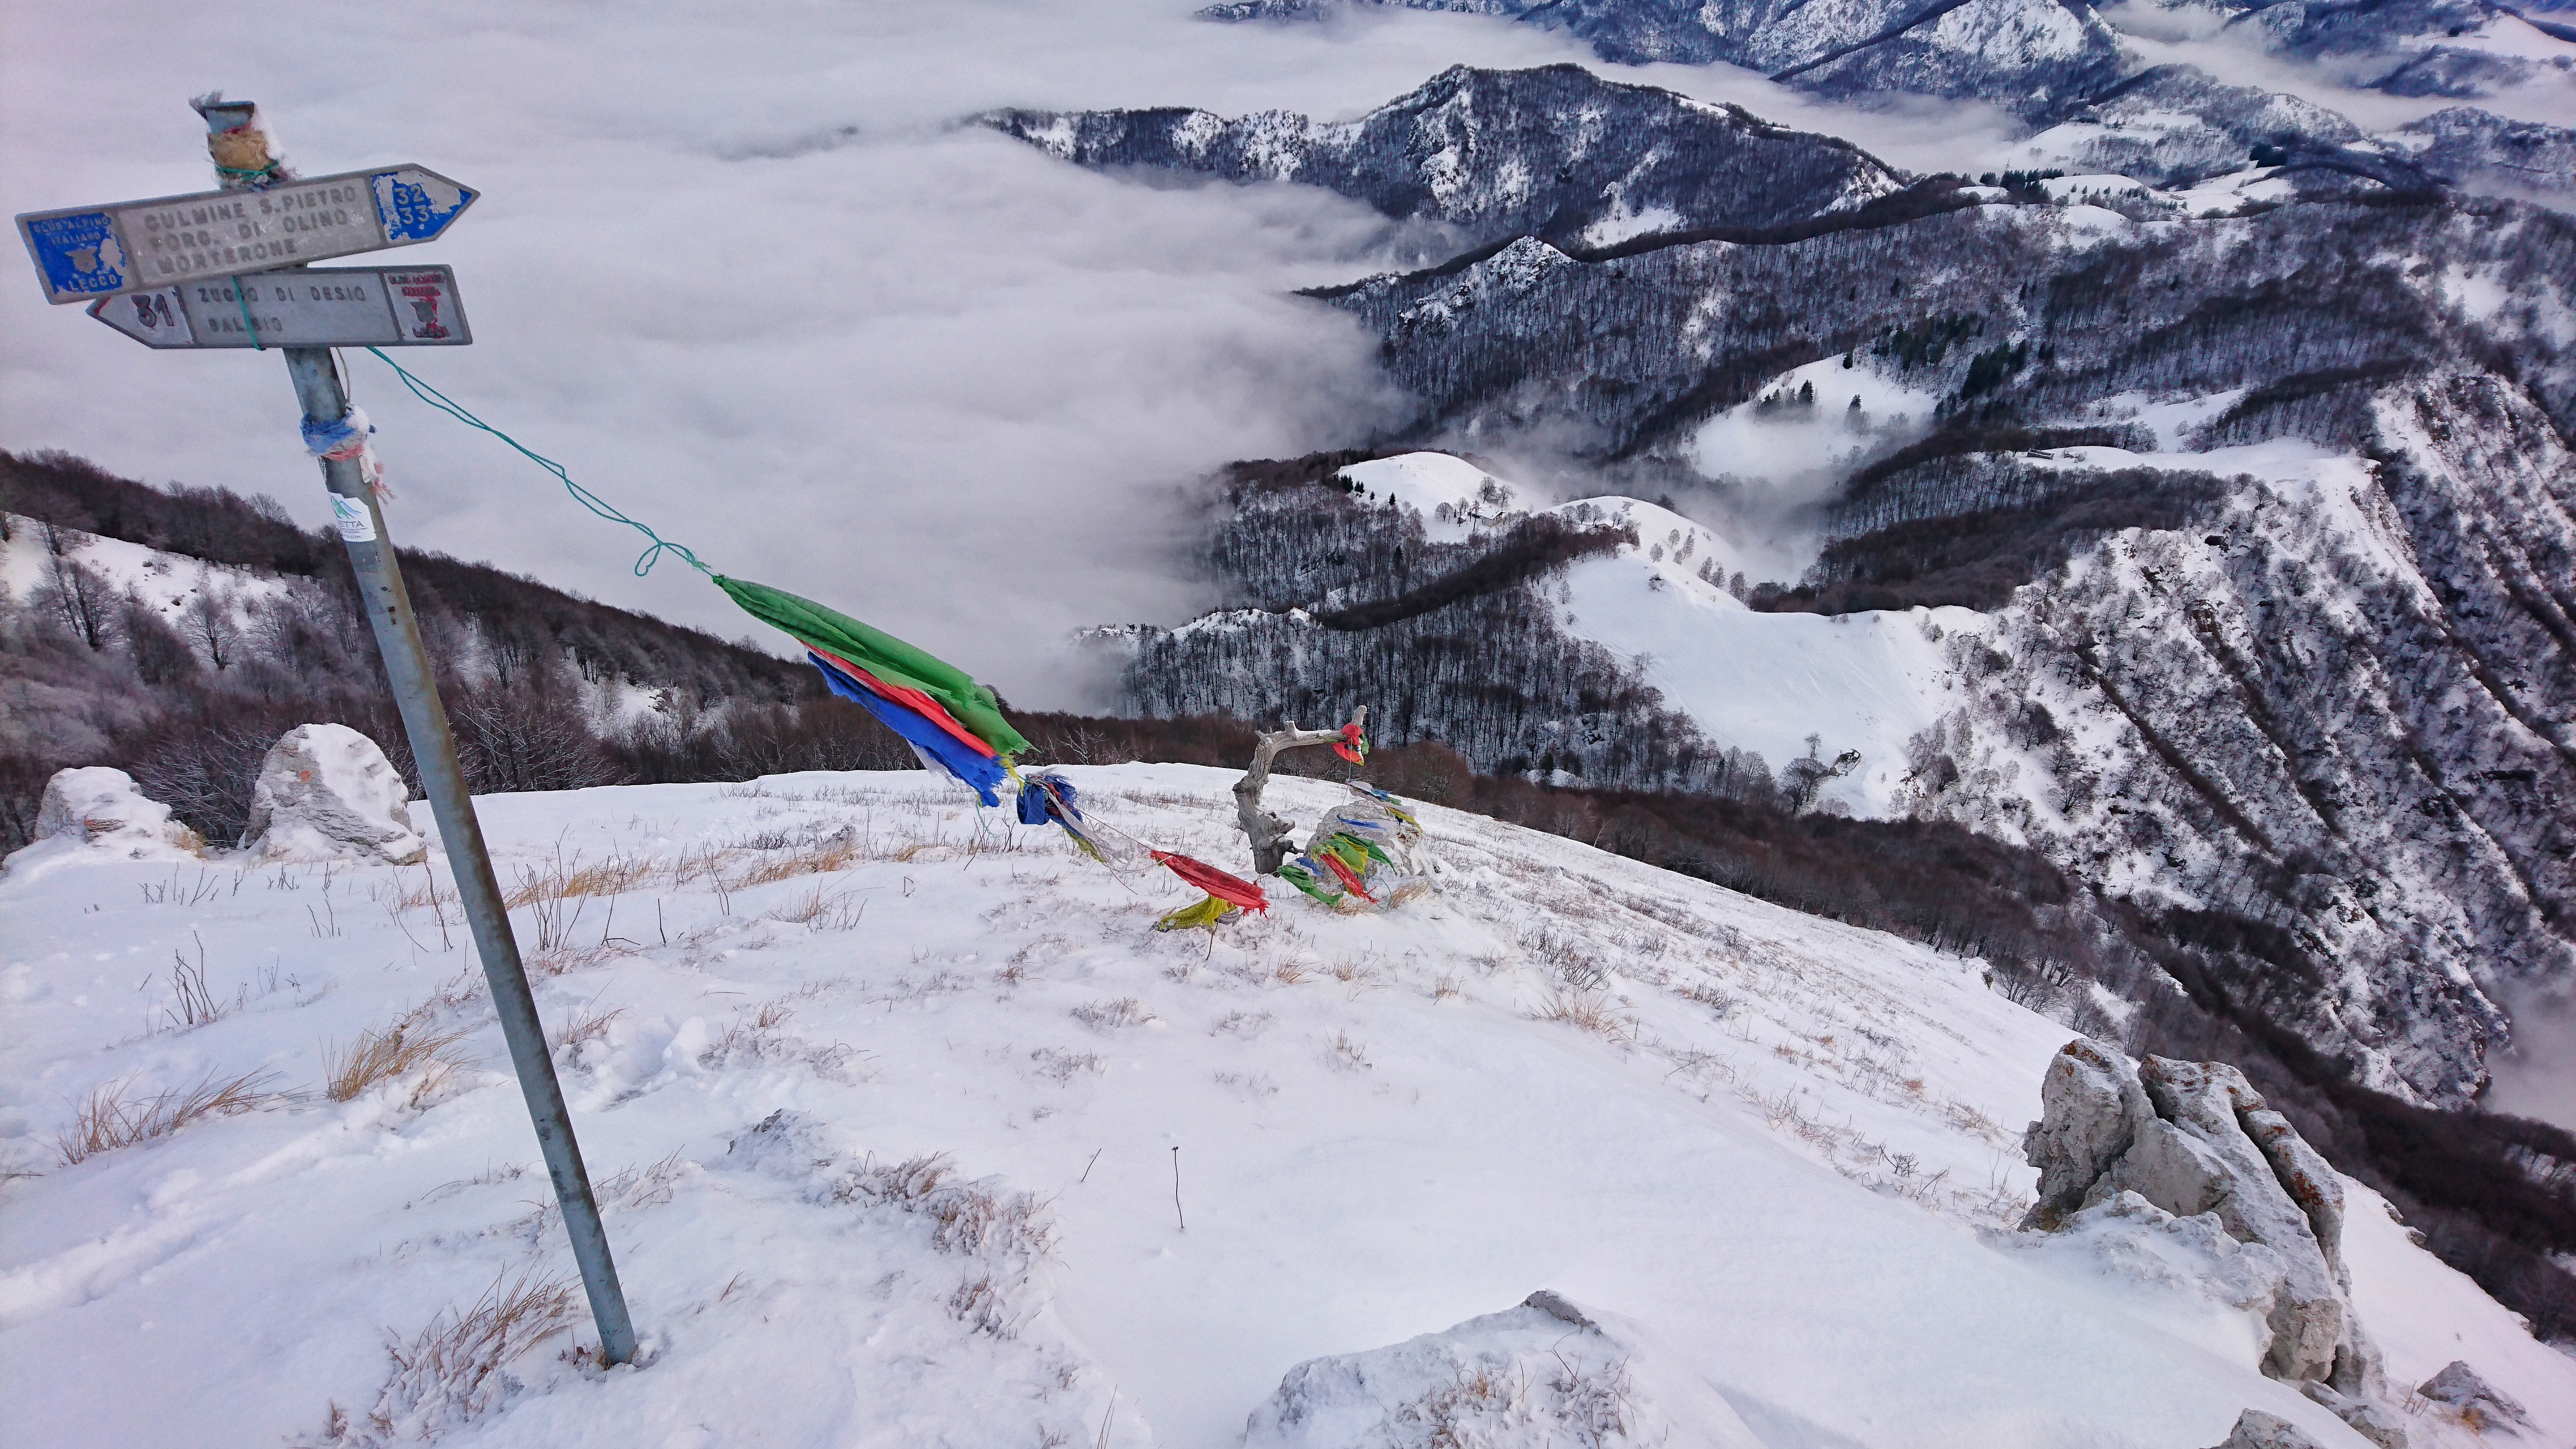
<point x="424" y="717"/>
<point x="433" y="748"/>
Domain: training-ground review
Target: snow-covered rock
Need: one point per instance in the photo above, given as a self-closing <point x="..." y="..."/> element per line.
<point x="2094" y="1106"/>
<point x="101" y="813"/>
<point x="2195" y="1139"/>
<point x="2258" y="1430"/>
<point x="1544" y="1373"/>
<point x="2459" y="1388"/>
<point x="326" y="792"/>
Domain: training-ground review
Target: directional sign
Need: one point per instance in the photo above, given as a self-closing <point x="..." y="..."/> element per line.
<point x="319" y="307"/>
<point x="140" y="246"/>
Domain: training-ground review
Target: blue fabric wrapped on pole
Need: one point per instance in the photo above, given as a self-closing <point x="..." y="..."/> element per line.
<point x="338" y="439"/>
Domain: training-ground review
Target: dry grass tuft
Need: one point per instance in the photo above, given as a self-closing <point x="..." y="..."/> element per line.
<point x="1452" y="1411"/>
<point x="822" y="909"/>
<point x="817" y="859"/>
<point x="1445" y="987"/>
<point x="1707" y="994"/>
<point x="109" y="1119"/>
<point x="193" y="1003"/>
<point x="563" y="958"/>
<point x="1062" y="1067"/>
<point x="561" y="878"/>
<point x="378" y="1057"/>
<point x="1111" y="1015"/>
<point x="969" y="1218"/>
<point x="760" y="1038"/>
<point x="585" y="1026"/>
<point x="449" y="1374"/>
<point x="1588" y="1011"/>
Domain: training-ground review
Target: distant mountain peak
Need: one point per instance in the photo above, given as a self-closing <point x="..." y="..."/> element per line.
<point x="1554" y="152"/>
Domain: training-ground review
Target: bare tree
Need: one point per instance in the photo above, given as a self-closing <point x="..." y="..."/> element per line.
<point x="521" y="740"/>
<point x="160" y="654"/>
<point x="209" y="623"/>
<point x="81" y="596"/>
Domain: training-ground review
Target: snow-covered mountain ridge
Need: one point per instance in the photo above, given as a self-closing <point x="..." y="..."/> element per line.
<point x="2022" y="54"/>
<point x="2077" y="357"/>
<point x="1491" y="155"/>
<point x="2266" y="707"/>
<point x="1781" y="1148"/>
<point x="2041" y="60"/>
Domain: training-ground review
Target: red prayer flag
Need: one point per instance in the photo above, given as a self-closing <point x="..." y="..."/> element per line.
<point x="911" y="699"/>
<point x="1233" y="889"/>
<point x="1350" y="878"/>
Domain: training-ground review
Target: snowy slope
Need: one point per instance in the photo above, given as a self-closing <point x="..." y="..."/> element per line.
<point x="1786" y="1148"/>
<point x="1754" y="681"/>
<point x="169" y="582"/>
<point x="1778" y="441"/>
<point x="1452" y="495"/>
<point x="1763" y="682"/>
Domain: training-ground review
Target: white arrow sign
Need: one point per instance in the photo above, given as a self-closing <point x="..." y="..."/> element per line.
<point x="319" y="307"/>
<point x="139" y="246"/>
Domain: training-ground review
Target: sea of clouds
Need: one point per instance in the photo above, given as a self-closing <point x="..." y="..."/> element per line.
<point x="743" y="271"/>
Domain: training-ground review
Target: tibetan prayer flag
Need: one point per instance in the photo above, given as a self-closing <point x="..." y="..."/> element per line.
<point x="934" y="744"/>
<point x="911" y="678"/>
<point x="1207" y="913"/>
<point x="1352" y="746"/>
<point x="1302" y="873"/>
<point x="1350" y="878"/>
<point x="1215" y="882"/>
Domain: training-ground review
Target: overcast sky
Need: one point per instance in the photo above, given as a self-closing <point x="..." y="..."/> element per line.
<point x="739" y="269"/>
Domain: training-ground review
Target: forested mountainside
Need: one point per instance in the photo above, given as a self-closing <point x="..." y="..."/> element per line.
<point x="177" y="633"/>
<point x="2262" y="481"/>
<point x="1491" y="155"/>
<point x="1333" y="600"/>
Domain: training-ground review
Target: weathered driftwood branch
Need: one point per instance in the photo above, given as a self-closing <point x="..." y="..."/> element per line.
<point x="1269" y="834"/>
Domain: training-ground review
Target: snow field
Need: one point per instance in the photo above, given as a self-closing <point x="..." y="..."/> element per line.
<point x="1785" y="1146"/>
<point x="169" y="582"/>
<point x="1802" y="451"/>
<point x="1451" y="494"/>
<point x="1763" y="682"/>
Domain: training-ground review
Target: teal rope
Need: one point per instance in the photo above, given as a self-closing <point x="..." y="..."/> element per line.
<point x="241" y="295"/>
<point x="643" y="563"/>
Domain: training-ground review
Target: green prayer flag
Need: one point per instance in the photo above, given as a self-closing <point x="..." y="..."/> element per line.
<point x="883" y="655"/>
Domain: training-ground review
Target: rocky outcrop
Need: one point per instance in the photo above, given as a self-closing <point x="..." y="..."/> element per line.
<point x="2476" y="1402"/>
<point x="326" y="792"/>
<point x="100" y="813"/>
<point x="2258" y="1430"/>
<point x="2194" y="1139"/>
<point x="2095" y="1106"/>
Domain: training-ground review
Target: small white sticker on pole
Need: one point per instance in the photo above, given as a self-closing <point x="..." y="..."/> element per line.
<point x="357" y="524"/>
